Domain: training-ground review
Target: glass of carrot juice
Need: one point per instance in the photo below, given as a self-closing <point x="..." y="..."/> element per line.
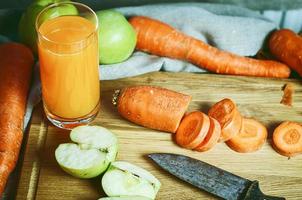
<point x="68" y="56"/>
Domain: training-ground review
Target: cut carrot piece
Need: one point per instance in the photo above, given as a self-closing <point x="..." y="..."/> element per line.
<point x="229" y="118"/>
<point x="223" y="111"/>
<point x="153" y="107"/>
<point x="251" y="137"/>
<point x="212" y="137"/>
<point x="231" y="128"/>
<point x="192" y="129"/>
<point x="287" y="98"/>
<point x="287" y="139"/>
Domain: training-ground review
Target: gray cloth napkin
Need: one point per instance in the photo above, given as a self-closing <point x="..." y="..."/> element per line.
<point x="226" y="27"/>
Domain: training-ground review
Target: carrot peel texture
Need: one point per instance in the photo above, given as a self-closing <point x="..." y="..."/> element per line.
<point x="153" y="107"/>
<point x="16" y="62"/>
<point x="286" y="46"/>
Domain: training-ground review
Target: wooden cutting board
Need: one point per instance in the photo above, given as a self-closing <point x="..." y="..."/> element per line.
<point x="42" y="179"/>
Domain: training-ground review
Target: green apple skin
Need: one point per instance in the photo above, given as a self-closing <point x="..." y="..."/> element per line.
<point x="117" y="37"/>
<point x="66" y="9"/>
<point x="27" y="30"/>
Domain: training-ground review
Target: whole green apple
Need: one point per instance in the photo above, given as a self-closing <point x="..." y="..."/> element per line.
<point x="27" y="31"/>
<point x="117" y="38"/>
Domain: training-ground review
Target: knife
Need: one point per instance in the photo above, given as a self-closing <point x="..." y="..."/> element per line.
<point x="210" y="178"/>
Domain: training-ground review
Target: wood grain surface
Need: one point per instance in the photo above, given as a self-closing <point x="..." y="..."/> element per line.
<point x="42" y="179"/>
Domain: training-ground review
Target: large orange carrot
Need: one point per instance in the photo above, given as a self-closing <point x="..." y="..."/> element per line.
<point x="250" y="138"/>
<point x="16" y="63"/>
<point x="286" y="46"/>
<point x="287" y="139"/>
<point x="161" y="39"/>
<point x="153" y="107"/>
<point x="192" y="130"/>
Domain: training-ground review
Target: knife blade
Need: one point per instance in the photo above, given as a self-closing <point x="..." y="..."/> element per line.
<point x="212" y="179"/>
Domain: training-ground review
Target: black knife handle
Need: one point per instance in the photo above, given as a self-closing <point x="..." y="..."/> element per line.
<point x="254" y="193"/>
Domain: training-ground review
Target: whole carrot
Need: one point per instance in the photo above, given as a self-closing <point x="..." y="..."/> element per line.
<point x="153" y="107"/>
<point x="286" y="46"/>
<point x="16" y="62"/>
<point x="161" y="39"/>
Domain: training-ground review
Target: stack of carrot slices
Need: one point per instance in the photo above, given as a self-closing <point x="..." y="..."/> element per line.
<point x="240" y="134"/>
<point x="198" y="131"/>
<point x="223" y="123"/>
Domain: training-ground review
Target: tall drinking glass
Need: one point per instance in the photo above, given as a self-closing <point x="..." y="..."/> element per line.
<point x="68" y="56"/>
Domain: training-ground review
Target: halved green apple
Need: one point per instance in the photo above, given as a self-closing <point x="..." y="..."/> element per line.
<point x="94" y="149"/>
<point x="125" y="198"/>
<point x="125" y="179"/>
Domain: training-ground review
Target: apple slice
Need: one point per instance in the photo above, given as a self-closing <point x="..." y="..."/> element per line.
<point x="94" y="149"/>
<point x="125" y="198"/>
<point x="125" y="179"/>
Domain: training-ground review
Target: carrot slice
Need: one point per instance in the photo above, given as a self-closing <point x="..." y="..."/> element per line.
<point x="212" y="136"/>
<point x="231" y="128"/>
<point x="229" y="118"/>
<point x="222" y="111"/>
<point x="288" y="91"/>
<point x="287" y="139"/>
<point x="251" y="137"/>
<point x="192" y="130"/>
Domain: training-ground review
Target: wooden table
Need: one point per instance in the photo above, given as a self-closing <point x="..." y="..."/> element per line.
<point x="42" y="179"/>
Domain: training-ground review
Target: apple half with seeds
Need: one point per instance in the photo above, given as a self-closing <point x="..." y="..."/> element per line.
<point x="94" y="148"/>
<point x="125" y="179"/>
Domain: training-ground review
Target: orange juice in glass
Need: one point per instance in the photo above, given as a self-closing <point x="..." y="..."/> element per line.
<point x="68" y="56"/>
